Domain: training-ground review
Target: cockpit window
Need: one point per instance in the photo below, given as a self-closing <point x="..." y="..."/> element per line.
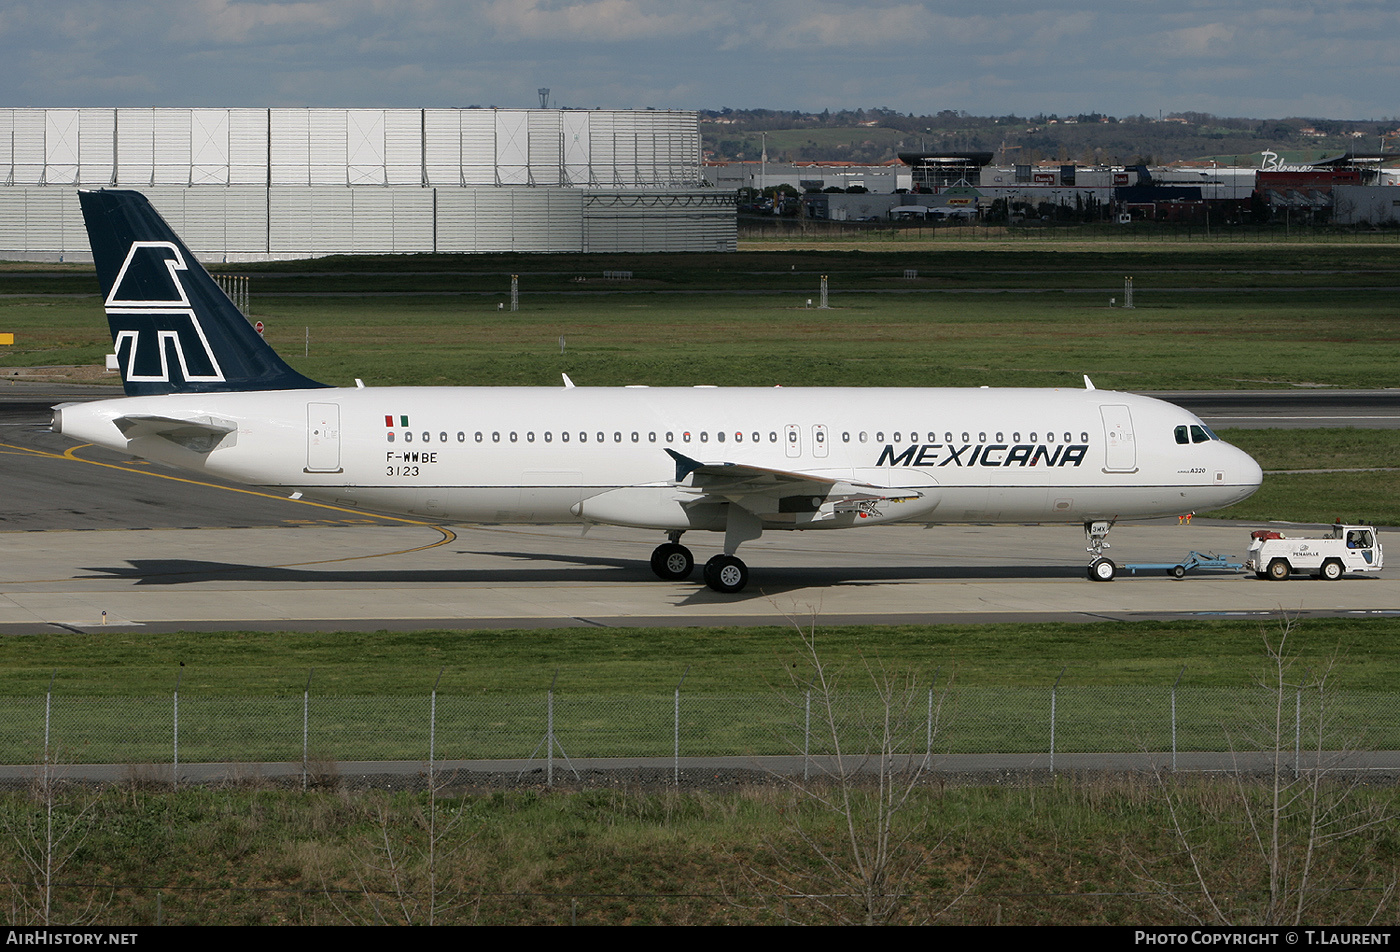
<point x="1181" y="435"/>
<point x="1199" y="434"/>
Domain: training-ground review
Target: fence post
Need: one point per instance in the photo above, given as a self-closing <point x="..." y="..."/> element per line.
<point x="1297" y="730"/>
<point x="1054" y="688"/>
<point x="806" y="734"/>
<point x="305" y="726"/>
<point x="1179" y="675"/>
<point x="432" y="730"/>
<point x="48" y="715"/>
<point x="549" y="734"/>
<point x="928" y="738"/>
<point x="676" y="729"/>
<point x="175" y="759"/>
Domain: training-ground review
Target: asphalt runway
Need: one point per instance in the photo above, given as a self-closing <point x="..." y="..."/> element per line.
<point x="96" y="541"/>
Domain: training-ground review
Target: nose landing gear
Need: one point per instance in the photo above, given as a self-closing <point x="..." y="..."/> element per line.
<point x="1101" y="568"/>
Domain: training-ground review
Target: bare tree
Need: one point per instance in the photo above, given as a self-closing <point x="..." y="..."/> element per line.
<point x="861" y="869"/>
<point x="407" y="869"/>
<point x="1292" y="839"/>
<point x="45" y="832"/>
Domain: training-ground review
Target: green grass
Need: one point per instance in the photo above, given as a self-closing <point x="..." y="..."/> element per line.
<point x="634" y="662"/>
<point x="1371" y="496"/>
<point x="1268" y="340"/>
<point x="241" y="694"/>
<point x="1221" y="317"/>
<point x="1097" y="852"/>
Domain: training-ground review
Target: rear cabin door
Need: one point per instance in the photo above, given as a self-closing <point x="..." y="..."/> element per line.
<point x="323" y="437"/>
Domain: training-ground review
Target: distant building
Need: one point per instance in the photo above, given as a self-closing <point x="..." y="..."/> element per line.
<point x="253" y="184"/>
<point x="808" y="176"/>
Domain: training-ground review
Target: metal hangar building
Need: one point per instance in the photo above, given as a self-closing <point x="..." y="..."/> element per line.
<point x="259" y="184"/>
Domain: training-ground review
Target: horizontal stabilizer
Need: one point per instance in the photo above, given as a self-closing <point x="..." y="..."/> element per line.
<point x="201" y="435"/>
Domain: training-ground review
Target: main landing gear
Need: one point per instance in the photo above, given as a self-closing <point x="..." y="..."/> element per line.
<point x="673" y="562"/>
<point x="1101" y="568"/>
<point x="724" y="573"/>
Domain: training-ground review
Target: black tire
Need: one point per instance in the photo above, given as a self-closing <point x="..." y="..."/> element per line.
<point x="726" y="574"/>
<point x="672" y="561"/>
<point x="1280" y="570"/>
<point x="1102" y="570"/>
<point x="1331" y="570"/>
<point x="1178" y="571"/>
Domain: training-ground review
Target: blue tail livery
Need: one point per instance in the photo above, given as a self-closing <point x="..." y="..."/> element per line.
<point x="174" y="329"/>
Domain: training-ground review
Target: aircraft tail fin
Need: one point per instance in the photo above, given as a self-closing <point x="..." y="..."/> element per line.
<point x="174" y="329"/>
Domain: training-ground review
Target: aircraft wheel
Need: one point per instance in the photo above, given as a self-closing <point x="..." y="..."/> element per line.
<point x="1178" y="571"/>
<point x="672" y="561"/>
<point x="1102" y="570"/>
<point x="1279" y="570"/>
<point x="726" y="574"/>
<point x="1331" y="570"/>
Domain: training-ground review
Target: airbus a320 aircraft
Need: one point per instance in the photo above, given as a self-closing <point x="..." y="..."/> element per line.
<point x="204" y="392"/>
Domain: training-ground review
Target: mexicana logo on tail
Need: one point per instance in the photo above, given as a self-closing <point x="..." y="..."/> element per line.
<point x="154" y="327"/>
<point x="174" y="329"/>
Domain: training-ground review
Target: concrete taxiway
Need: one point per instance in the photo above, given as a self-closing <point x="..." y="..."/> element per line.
<point x="344" y="577"/>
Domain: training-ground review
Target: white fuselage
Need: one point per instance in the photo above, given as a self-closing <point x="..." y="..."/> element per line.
<point x="537" y="455"/>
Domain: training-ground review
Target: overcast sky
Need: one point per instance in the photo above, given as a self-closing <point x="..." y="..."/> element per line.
<point x="1339" y="59"/>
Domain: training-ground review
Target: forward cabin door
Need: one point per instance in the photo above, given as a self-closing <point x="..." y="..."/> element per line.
<point x="1121" y="447"/>
<point x="323" y="437"/>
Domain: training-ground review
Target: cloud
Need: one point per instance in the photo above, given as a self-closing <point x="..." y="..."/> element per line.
<point x="1282" y="57"/>
<point x="591" y="21"/>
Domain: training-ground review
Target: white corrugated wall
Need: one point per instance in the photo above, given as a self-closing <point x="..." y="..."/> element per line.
<point x="244" y="184"/>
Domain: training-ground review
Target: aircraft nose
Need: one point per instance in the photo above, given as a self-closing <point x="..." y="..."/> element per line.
<point x="1251" y="472"/>
<point x="1244" y="471"/>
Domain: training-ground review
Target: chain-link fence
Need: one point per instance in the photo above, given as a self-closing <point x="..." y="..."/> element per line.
<point x="964" y="728"/>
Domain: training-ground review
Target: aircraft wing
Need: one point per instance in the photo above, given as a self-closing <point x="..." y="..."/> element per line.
<point x="762" y="490"/>
<point x="200" y="435"/>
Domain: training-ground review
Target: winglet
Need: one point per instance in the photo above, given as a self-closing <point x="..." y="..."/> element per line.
<point x="568" y="384"/>
<point x="684" y="464"/>
<point x="1088" y="384"/>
